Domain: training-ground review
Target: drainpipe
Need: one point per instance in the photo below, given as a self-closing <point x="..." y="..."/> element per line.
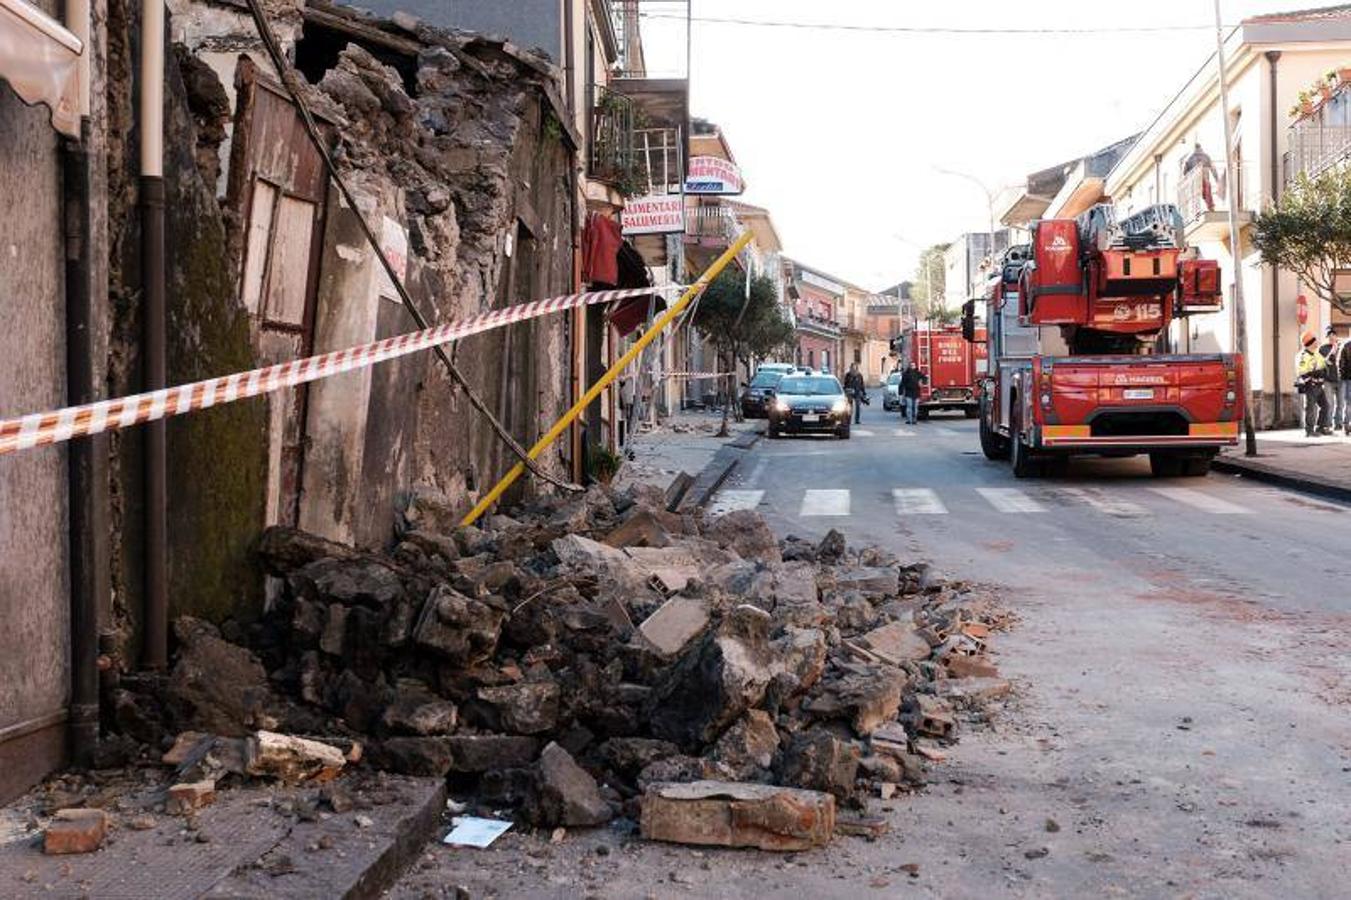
<point x="1276" y="405"/>
<point x="87" y="460"/>
<point x="155" y="648"/>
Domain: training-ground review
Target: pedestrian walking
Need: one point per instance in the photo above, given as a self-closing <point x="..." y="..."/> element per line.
<point x="911" y="379"/>
<point x="856" y="390"/>
<point x="1311" y="370"/>
<point x="1332" y="382"/>
<point x="1344" y="373"/>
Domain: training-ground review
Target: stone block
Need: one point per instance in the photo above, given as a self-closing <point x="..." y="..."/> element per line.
<point x="733" y="814"/>
<point x="677" y="622"/>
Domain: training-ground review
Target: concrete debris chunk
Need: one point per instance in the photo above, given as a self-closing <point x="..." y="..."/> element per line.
<point x="745" y="533"/>
<point x="895" y="643"/>
<point x="292" y="759"/>
<point x="820" y="761"/>
<point x="717" y="679"/>
<point x="925" y="714"/>
<point x="866" y="698"/>
<point x="525" y="708"/>
<point x="640" y="529"/>
<point x="677" y="622"/>
<point x="564" y="793"/>
<point x="748" y="747"/>
<point x="75" y="831"/>
<point x="730" y="814"/>
<point x="186" y="798"/>
<point x="420" y="713"/>
<point x="972" y="667"/>
<point x="872" y="582"/>
<point x="461" y="630"/>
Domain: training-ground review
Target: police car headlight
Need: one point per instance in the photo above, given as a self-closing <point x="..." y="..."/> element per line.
<point x="841" y="405"/>
<point x="782" y="406"/>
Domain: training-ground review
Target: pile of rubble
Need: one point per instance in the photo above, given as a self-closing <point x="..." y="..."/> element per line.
<point x="600" y="656"/>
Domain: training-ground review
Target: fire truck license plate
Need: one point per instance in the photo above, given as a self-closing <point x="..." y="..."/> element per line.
<point x="1138" y="393"/>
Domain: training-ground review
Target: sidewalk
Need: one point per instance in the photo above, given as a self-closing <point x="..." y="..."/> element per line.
<point x="685" y="442"/>
<point x="1317" y="465"/>
<point x="256" y="840"/>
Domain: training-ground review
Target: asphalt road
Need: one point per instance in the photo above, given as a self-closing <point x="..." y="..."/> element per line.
<point x="1182" y="668"/>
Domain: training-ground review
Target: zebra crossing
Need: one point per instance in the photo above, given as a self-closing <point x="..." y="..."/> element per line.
<point x="910" y="502"/>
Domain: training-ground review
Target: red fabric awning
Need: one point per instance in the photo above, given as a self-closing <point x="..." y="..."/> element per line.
<point x="626" y="315"/>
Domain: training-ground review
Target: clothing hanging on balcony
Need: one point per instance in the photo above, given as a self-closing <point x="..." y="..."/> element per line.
<point x="601" y="240"/>
<point x="626" y="315"/>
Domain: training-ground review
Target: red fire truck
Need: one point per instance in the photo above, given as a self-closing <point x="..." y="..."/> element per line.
<point x="951" y="364"/>
<point x="1077" y="321"/>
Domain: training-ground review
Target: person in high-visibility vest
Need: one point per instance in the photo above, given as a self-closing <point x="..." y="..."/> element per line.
<point x="1311" y="371"/>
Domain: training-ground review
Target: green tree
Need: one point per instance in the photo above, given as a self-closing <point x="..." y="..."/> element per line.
<point x="740" y="327"/>
<point x="927" y="286"/>
<point x="1308" y="232"/>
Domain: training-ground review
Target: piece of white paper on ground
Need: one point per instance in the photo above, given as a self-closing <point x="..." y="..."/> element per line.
<point x="471" y="831"/>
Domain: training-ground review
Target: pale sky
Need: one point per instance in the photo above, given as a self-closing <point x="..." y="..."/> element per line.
<point x="838" y="133"/>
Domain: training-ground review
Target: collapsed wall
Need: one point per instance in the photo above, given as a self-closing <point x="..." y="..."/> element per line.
<point x="577" y="658"/>
<point x="453" y="147"/>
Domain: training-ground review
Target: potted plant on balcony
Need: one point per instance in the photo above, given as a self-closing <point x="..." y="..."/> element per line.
<point x="1305" y="106"/>
<point x="1342" y="74"/>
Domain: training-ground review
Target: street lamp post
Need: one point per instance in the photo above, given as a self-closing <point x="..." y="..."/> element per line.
<point x="1240" y="312"/>
<point x="989" y="204"/>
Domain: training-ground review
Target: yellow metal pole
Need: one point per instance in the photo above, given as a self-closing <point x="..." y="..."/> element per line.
<point x="620" y="365"/>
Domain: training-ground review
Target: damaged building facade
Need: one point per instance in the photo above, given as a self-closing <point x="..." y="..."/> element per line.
<point x="465" y="154"/>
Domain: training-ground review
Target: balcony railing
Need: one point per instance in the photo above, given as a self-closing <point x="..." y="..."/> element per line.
<point x="716" y="223"/>
<point x="612" y="156"/>
<point x="1207" y="189"/>
<point x="1321" y="140"/>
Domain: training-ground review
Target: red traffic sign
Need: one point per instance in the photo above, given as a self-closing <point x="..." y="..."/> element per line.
<point x="1302" y="309"/>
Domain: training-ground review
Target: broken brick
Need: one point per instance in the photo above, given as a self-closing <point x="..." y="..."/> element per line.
<point x="188" y="797"/>
<point x="970" y="667"/>
<point x="75" y="831"/>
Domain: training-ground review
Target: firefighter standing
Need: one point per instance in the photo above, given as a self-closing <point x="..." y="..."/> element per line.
<point x="1312" y="369"/>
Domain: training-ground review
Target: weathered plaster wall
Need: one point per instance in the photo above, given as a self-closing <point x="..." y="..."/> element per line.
<point x="34" y="585"/>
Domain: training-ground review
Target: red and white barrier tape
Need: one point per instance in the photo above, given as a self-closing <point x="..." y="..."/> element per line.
<point x="689" y="376"/>
<point x="39" y="429"/>
<point x="696" y="376"/>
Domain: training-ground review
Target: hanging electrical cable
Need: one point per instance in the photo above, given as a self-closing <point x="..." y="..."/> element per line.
<point x="287" y="74"/>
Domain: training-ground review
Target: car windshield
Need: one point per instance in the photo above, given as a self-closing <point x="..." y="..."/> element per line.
<point x="809" y="387"/>
<point x="766" y="379"/>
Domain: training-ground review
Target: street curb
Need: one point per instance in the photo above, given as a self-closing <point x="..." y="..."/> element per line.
<point x="390" y="848"/>
<point x="1309" y="484"/>
<point x="414" y="833"/>
<point x="712" y="476"/>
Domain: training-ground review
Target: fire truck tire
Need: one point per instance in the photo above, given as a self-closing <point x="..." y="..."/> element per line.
<point x="994" y="445"/>
<point x="972" y="411"/>
<point x="1195" y="466"/>
<point x="1020" y="455"/>
<point x="1056" y="466"/>
<point x="1166" y="465"/>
